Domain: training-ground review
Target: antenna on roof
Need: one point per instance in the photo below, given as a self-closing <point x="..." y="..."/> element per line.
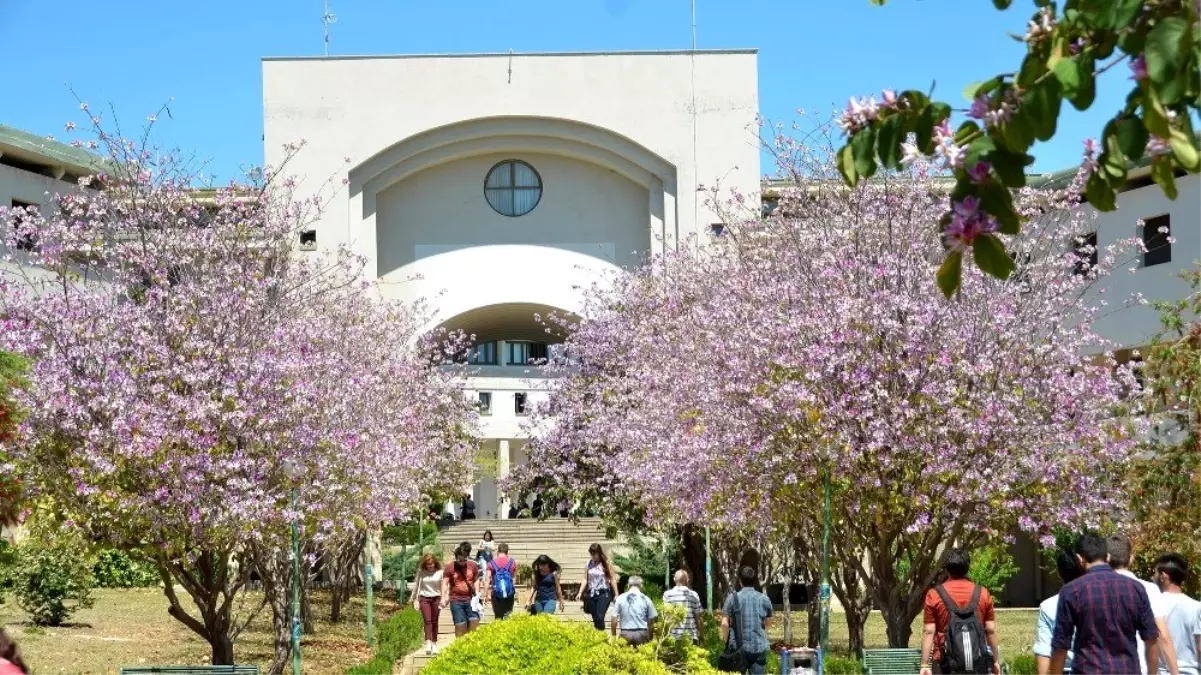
<point x="694" y="25"/>
<point x="327" y="18"/>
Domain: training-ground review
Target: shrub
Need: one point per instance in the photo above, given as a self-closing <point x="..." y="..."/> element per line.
<point x="400" y="634"/>
<point x="115" y="568"/>
<point x="406" y="534"/>
<point x="1022" y="664"/>
<point x="525" y="575"/>
<point x="992" y="566"/>
<point x="842" y="665"/>
<point x="52" y="576"/>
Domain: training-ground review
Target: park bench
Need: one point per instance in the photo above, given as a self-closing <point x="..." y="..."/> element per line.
<point x="190" y="669"/>
<point x="892" y="661"/>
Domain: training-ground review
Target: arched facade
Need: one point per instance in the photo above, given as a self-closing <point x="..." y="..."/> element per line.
<point x="615" y="146"/>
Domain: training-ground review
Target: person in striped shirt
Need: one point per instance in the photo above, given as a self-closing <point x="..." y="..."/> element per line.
<point x="687" y="598"/>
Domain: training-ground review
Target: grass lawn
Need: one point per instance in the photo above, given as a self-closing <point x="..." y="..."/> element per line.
<point x="131" y="627"/>
<point x="1015" y="631"/>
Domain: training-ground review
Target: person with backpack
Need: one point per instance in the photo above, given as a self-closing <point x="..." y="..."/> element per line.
<point x="960" y="633"/>
<point x="746" y="616"/>
<point x="502" y="589"/>
<point x="459" y="592"/>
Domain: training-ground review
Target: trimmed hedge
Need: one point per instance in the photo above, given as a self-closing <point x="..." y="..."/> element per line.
<point x="402" y="633"/>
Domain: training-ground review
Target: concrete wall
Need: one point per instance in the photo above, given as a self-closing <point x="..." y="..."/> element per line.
<point x="1134" y="326"/>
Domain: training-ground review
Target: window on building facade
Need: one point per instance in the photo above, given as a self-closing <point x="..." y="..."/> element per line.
<point x="520" y="403"/>
<point x="483" y="354"/>
<point x="485" y="403"/>
<point x="27" y="241"/>
<point x="1155" y="237"/>
<point x="513" y="188"/>
<point x="308" y="240"/>
<point x="1086" y="253"/>
<point x="717" y="229"/>
<point x="522" y="353"/>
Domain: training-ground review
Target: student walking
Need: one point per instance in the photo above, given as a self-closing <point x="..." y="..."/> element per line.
<point x="502" y="589"/>
<point x="748" y="611"/>
<point x="687" y="598"/>
<point x="1121" y="554"/>
<point x="427" y="598"/>
<point x="633" y="614"/>
<point x="1099" y="616"/>
<point x="962" y="609"/>
<point x="599" y="586"/>
<point x="485" y="549"/>
<point x="1182" y="614"/>
<point x="547" y="594"/>
<point x="1069" y="570"/>
<point x="459" y="592"/>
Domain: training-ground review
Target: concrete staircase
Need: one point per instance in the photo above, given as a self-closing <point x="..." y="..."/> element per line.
<point x="564" y="541"/>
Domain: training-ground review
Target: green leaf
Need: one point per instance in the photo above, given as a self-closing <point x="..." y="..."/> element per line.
<point x="1099" y="193"/>
<point x="864" y="151"/>
<point x="990" y="256"/>
<point x="997" y="201"/>
<point x="1042" y="108"/>
<point x="1002" y="4"/>
<point x="966" y="129"/>
<point x="981" y="148"/>
<point x="1132" y="137"/>
<point x="1112" y="159"/>
<point x="1075" y="76"/>
<point x="1069" y="74"/>
<point x="846" y="165"/>
<point x="975" y="89"/>
<point x="1010" y="166"/>
<point x="889" y="141"/>
<point x="877" y="3"/>
<point x="1124" y="12"/>
<point x="1165" y="48"/>
<point x="1185" y="150"/>
<point x="1018" y="132"/>
<point x="950" y="272"/>
<point x="1033" y="68"/>
<point x="1155" y="117"/>
<point x="923" y="128"/>
<point x="1161" y="173"/>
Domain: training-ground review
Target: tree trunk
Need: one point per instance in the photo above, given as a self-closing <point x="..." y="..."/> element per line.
<point x="343" y="571"/>
<point x="274" y="566"/>
<point x="788" y="606"/>
<point x="898" y="624"/>
<point x="213" y="580"/>
<point x="814" y="609"/>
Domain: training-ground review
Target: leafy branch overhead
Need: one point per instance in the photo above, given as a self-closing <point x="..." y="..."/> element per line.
<point x="1069" y="46"/>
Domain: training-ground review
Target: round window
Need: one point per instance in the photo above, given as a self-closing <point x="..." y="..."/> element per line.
<point x="513" y="188"/>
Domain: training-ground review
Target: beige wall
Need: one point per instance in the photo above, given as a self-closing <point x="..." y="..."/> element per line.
<point x="443" y="208"/>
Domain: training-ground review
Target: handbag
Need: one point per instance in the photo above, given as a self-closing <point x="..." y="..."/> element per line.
<point x="733" y="658"/>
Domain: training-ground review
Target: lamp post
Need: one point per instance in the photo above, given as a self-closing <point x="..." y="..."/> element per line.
<point x="369" y="583"/>
<point x="293" y="470"/>
<point x="708" y="571"/>
<point x="824" y="627"/>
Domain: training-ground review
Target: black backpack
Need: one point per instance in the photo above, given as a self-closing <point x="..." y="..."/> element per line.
<point x="964" y="649"/>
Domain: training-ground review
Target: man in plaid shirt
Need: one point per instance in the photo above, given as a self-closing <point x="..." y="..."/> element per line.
<point x="1105" y="611"/>
<point x="687" y="598"/>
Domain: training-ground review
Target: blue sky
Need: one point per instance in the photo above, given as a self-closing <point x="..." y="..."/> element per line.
<point x="813" y="54"/>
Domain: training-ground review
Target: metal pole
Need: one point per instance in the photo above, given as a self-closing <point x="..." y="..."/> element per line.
<point x="666" y="566"/>
<point x="370" y="582"/>
<point x="708" y="571"/>
<point x="824" y="634"/>
<point x="295" y="588"/>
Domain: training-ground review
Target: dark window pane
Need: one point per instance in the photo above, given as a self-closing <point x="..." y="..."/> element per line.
<point x="1159" y="250"/>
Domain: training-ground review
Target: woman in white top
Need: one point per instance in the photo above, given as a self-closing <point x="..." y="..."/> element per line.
<point x="486" y="549"/>
<point x="427" y="598"/>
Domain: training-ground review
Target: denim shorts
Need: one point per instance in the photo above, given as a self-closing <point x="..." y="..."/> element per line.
<point x="461" y="612"/>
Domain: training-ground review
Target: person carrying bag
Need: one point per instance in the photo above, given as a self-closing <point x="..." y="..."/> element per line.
<point x="733" y="658"/>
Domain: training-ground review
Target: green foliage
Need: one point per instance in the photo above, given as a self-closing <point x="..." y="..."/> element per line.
<point x="118" y="569"/>
<point x="12" y="376"/>
<point x="52" y="576"/>
<point x="544" y="645"/>
<point x="402" y="633"/>
<point x="1068" y="47"/>
<point x="1022" y="664"/>
<point x="406" y="534"/>
<point x="842" y="665"/>
<point x="646" y="559"/>
<point x="8" y="559"/>
<point x="525" y="575"/>
<point x="992" y="566"/>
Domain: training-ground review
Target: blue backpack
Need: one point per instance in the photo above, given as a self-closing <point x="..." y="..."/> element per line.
<point x="502" y="580"/>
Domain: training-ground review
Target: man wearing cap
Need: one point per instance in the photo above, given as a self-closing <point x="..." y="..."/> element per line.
<point x="632" y="614"/>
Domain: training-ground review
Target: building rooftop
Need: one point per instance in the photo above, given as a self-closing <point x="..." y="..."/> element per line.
<point x="649" y="52"/>
<point x="24" y="150"/>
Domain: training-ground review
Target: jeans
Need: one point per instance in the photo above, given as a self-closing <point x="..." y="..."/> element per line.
<point x="430" y="609"/>
<point x="462" y="613"/>
<point x="545" y="606"/>
<point x="756" y="664"/>
<point x="502" y="607"/>
<point x="600" y="605"/>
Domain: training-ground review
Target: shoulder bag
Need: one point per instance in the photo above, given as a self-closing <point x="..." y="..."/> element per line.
<point x="733" y="658"/>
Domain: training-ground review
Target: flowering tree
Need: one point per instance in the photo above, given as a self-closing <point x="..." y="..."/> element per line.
<point x="181" y="351"/>
<point x="726" y="383"/>
<point x="12" y="368"/>
<point x="1068" y="47"/>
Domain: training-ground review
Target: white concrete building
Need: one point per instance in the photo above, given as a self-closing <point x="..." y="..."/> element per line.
<point x="498" y="185"/>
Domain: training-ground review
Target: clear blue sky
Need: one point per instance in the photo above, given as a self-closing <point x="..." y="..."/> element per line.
<point x="136" y="54"/>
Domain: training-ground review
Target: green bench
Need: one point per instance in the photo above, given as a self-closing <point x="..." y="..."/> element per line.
<point x="898" y="662"/>
<point x="892" y="661"/>
<point x="190" y="669"/>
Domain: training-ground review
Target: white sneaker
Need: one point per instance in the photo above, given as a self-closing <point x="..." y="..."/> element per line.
<point x="429" y="647"/>
<point x="433" y="648"/>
